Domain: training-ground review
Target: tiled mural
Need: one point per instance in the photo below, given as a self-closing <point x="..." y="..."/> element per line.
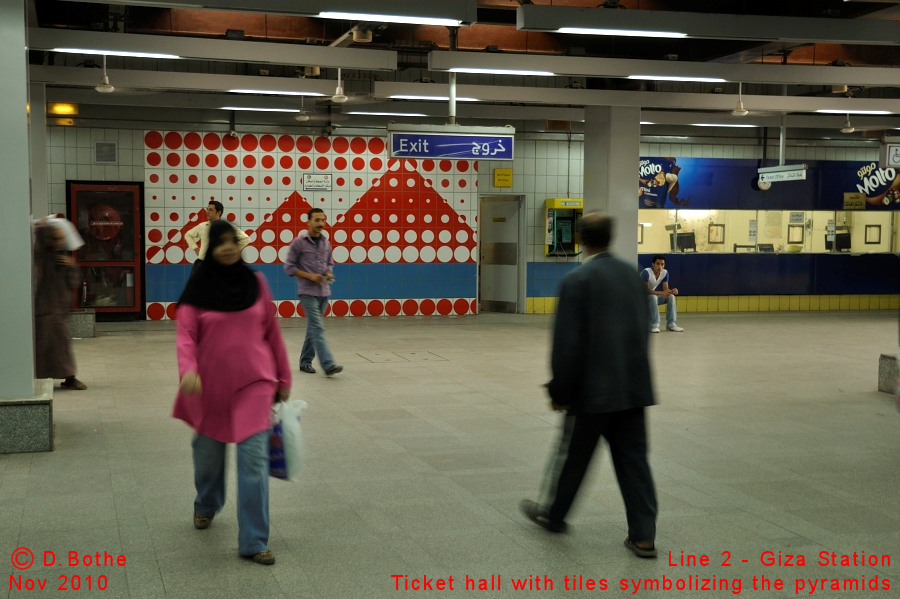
<point x="403" y="231"/>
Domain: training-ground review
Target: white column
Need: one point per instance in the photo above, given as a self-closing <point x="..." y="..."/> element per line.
<point x="37" y="130"/>
<point x="17" y="365"/>
<point x="611" y="155"/>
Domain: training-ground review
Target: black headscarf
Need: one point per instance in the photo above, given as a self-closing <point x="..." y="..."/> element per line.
<point x="218" y="287"/>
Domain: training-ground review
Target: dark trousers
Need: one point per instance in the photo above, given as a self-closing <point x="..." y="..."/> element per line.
<point x="626" y="433"/>
<point x="194" y="268"/>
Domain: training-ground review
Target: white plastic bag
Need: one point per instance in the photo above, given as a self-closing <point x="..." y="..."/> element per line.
<point x="289" y="414"/>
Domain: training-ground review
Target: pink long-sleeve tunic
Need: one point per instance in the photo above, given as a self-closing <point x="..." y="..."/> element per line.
<point x="242" y="362"/>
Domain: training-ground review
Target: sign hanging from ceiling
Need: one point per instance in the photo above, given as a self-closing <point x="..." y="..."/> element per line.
<point x="451" y="141"/>
<point x="459" y="146"/>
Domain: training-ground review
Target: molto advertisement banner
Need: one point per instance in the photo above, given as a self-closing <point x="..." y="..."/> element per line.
<point x="722" y="183"/>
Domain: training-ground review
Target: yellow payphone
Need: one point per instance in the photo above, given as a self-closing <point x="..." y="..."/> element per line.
<point x="561" y="215"/>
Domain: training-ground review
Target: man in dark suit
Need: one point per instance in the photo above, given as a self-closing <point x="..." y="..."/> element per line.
<point x="601" y="379"/>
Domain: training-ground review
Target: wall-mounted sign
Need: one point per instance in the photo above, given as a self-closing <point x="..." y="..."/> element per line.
<point x="752" y="235"/>
<point x="854" y="201"/>
<point x="829" y="231"/>
<point x="316" y="182"/>
<point x="890" y="155"/>
<point x="797" y="218"/>
<point x="503" y="177"/>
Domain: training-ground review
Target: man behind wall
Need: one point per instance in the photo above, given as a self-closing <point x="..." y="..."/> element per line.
<point x="310" y="261"/>
<point x="199" y="235"/>
<point x="601" y="379"/>
<point x="658" y="293"/>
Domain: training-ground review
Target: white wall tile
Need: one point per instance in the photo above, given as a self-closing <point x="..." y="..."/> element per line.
<point x="57" y="173"/>
<point x="528" y="166"/>
<point x="552" y="166"/>
<point x="83" y="156"/>
<point x="84" y="138"/>
<point x="98" y="173"/>
<point x="71" y="171"/>
<point x="137" y="139"/>
<point x="71" y="134"/>
<point x="97" y="134"/>
<point x="58" y="194"/>
<point x="57" y="136"/>
<point x="84" y="172"/>
<point x="57" y="155"/>
<point x="528" y="150"/>
<point x="540" y="167"/>
<point x="125" y="139"/>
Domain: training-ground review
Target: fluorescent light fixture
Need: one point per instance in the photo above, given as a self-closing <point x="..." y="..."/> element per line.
<point x="412" y="19"/>
<point x="855" y="111"/>
<point x="647" y="123"/>
<point x="431" y="98"/>
<point x="501" y="72"/>
<point x="621" y="32"/>
<point x="646" y="224"/>
<point x="386" y="113"/>
<point x="62" y="108"/>
<point x="273" y="93"/>
<point x="114" y="53"/>
<point x="259" y="109"/>
<point x="676" y="78"/>
<point x="720" y="125"/>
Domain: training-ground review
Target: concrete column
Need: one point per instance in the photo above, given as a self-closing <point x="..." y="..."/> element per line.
<point x="17" y="365"/>
<point x="611" y="155"/>
<point x="37" y="131"/>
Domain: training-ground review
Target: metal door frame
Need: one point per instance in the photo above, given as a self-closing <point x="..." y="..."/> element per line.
<point x="522" y="258"/>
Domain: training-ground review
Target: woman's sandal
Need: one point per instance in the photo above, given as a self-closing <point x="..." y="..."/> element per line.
<point x="73" y="383"/>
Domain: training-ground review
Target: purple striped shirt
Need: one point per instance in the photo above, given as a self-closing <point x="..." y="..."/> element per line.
<point x="309" y="256"/>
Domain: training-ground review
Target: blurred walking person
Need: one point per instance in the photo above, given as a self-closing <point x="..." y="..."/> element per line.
<point x="55" y="276"/>
<point x="602" y="380"/>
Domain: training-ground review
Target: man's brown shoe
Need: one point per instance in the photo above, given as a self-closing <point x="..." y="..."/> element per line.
<point x="202" y="522"/>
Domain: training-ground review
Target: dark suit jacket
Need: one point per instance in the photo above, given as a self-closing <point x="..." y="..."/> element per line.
<point x="600" y="339"/>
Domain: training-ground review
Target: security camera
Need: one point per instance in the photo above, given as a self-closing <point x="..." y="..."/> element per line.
<point x="330" y="129"/>
<point x="232" y="133"/>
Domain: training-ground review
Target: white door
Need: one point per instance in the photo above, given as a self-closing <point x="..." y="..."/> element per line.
<point x="501" y="267"/>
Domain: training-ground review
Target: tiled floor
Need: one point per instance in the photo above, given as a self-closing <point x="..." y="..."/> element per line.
<point x="769" y="436"/>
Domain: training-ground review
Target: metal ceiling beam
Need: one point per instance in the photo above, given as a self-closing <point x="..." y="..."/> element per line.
<point x="213" y="49"/>
<point x="541" y="17"/>
<point x="466" y="11"/>
<point x="623" y="67"/>
<point x="165" y="80"/>
<point x="162" y="100"/>
<point x="724" y="103"/>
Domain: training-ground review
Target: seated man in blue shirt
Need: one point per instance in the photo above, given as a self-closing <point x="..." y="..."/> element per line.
<point x="657" y="276"/>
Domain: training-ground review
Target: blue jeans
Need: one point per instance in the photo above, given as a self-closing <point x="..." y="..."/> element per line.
<point x="314" y="343"/>
<point x="253" y="486"/>
<point x="655" y="302"/>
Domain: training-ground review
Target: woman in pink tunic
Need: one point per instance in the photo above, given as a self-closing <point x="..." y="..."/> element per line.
<point x="232" y="365"/>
